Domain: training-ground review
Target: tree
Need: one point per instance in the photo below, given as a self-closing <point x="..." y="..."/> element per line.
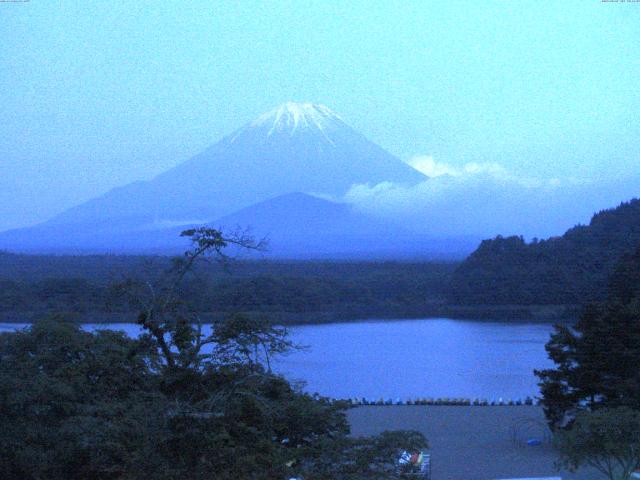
<point x="180" y="402"/>
<point x="597" y="360"/>
<point x="72" y="404"/>
<point x="256" y="423"/>
<point x="172" y="325"/>
<point x="607" y="440"/>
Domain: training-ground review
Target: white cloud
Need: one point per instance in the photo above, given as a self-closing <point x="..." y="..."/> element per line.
<point x="486" y="199"/>
<point x="427" y="165"/>
<point x="431" y="168"/>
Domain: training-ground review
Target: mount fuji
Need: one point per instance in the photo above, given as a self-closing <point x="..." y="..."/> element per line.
<point x="293" y="148"/>
<point x="248" y="177"/>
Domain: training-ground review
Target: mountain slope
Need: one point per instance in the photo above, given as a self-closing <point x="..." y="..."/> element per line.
<point x="301" y="215"/>
<point x="296" y="147"/>
<point x="572" y="269"/>
<point x="296" y="225"/>
<point x="300" y="226"/>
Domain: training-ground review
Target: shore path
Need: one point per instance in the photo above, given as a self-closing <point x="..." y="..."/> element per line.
<point x="472" y="443"/>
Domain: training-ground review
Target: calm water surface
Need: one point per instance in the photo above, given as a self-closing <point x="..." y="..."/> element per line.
<point x="411" y="358"/>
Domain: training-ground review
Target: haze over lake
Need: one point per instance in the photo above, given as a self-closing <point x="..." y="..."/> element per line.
<point x="407" y="359"/>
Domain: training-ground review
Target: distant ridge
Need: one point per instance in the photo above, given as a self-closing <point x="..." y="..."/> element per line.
<point x="297" y="226"/>
<point x="300" y="215"/>
<point x="571" y="269"/>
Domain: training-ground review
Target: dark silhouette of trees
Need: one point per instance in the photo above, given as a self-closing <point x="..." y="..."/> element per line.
<point x="597" y="359"/>
<point x="607" y="440"/>
<point x="573" y="269"/>
<point x="285" y="290"/>
<point x="181" y="401"/>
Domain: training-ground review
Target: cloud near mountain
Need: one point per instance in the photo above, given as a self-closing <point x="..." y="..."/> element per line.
<point x="486" y="199"/>
<point x="431" y="168"/>
<point x="428" y="165"/>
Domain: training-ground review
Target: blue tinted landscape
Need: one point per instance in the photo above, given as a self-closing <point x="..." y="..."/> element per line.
<point x="300" y="240"/>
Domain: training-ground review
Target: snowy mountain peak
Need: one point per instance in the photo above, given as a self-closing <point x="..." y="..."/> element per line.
<point x="290" y="116"/>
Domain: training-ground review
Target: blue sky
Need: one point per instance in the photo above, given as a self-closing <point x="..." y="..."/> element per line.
<point x="98" y="94"/>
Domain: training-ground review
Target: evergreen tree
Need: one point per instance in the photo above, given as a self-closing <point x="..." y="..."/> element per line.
<point x="597" y="360"/>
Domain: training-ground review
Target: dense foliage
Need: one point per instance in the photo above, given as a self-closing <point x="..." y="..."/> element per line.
<point x="597" y="360"/>
<point x="288" y="291"/>
<point x="74" y="405"/>
<point x="607" y="440"/>
<point x="572" y="269"/>
<point x="176" y="403"/>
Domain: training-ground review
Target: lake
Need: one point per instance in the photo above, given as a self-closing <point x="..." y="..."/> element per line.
<point x="408" y="359"/>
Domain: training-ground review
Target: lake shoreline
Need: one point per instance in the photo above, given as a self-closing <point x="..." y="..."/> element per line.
<point x="476" y="313"/>
<point x="438" y="360"/>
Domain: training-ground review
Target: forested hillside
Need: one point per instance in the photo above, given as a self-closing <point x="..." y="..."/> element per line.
<point x="503" y="273"/>
<point x="571" y="269"/>
<point x="285" y="291"/>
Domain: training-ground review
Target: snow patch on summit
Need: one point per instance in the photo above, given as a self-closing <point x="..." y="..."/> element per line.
<point x="290" y="116"/>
